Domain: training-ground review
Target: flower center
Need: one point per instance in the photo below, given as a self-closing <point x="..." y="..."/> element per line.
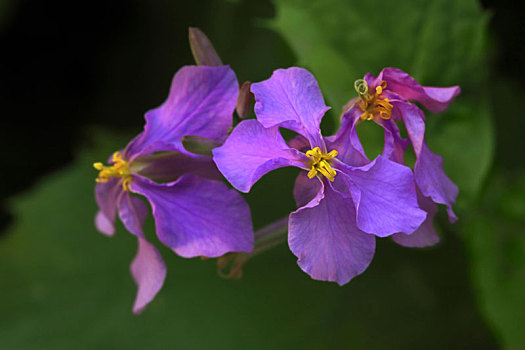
<point x="120" y="168"/>
<point x="320" y="162"/>
<point x="373" y="104"/>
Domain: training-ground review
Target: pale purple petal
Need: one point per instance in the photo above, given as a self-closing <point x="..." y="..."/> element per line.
<point x="305" y="189"/>
<point x="253" y="150"/>
<point x="434" y="99"/>
<point x="346" y="142"/>
<point x="149" y="272"/>
<point x="201" y="103"/>
<point x="384" y="195"/>
<point x="425" y="235"/>
<point x="198" y="217"/>
<point x="107" y="195"/>
<point x="433" y="182"/>
<point x="324" y="237"/>
<point x="291" y="98"/>
<point x="132" y="212"/>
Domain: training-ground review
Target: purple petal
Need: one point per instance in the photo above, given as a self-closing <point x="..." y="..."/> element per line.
<point x="251" y="151"/>
<point x="198" y="217"/>
<point x="425" y="235"/>
<point x="324" y="237"/>
<point x="148" y="271"/>
<point x="107" y="195"/>
<point x="346" y="142"/>
<point x="132" y="212"/>
<point x="414" y="120"/>
<point x="291" y="98"/>
<point x="395" y="145"/>
<point x="305" y="189"/>
<point x="169" y="166"/>
<point x="433" y="98"/>
<point x="384" y="195"/>
<point x="433" y="182"/>
<point x="200" y="103"/>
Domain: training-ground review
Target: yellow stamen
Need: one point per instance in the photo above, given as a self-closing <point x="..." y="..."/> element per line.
<point x="119" y="168"/>
<point x="320" y="162"/>
<point x="373" y="105"/>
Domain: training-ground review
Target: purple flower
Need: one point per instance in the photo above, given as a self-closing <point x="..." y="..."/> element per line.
<point x="344" y="200"/>
<point x="195" y="215"/>
<point x="385" y="100"/>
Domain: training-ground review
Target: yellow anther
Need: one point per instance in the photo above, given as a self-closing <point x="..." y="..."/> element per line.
<point x="320" y="162"/>
<point x="119" y="169"/>
<point x="373" y="105"/>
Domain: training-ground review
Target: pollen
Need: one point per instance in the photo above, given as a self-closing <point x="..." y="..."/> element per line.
<point x="373" y="104"/>
<point x="119" y="169"/>
<point x="320" y="163"/>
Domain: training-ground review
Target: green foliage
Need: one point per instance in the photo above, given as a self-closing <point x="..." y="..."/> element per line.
<point x="495" y="237"/>
<point x="63" y="286"/>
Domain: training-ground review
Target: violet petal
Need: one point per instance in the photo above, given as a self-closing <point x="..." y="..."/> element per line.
<point x="324" y="237"/>
<point x="253" y="150"/>
<point x="198" y="217"/>
<point x="291" y="98"/>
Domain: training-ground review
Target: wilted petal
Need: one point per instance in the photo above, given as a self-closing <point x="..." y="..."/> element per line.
<point x="384" y="195"/>
<point x="291" y="98"/>
<point x="107" y="196"/>
<point x="425" y="235"/>
<point x="198" y="217"/>
<point x="200" y="103"/>
<point x="433" y="182"/>
<point x="251" y="151"/>
<point x="148" y="271"/>
<point x="324" y="237"/>
<point x="434" y="99"/>
<point x="132" y="212"/>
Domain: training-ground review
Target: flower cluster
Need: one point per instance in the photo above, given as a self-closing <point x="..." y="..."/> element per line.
<point x="344" y="200"/>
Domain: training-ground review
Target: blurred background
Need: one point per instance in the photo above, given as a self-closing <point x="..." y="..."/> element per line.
<point x="75" y="80"/>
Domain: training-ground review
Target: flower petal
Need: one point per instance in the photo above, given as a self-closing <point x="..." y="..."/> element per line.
<point x="291" y="98"/>
<point x="425" y="235"/>
<point x="251" y="151"/>
<point x="149" y="272"/>
<point x="201" y="103"/>
<point x="107" y="195"/>
<point x="346" y="142"/>
<point x="414" y="120"/>
<point x="169" y="166"/>
<point x="395" y="146"/>
<point x="305" y="189"/>
<point x="434" y="99"/>
<point x="324" y="237"/>
<point x="132" y="212"/>
<point x="433" y="182"/>
<point x="384" y="195"/>
<point x="198" y="217"/>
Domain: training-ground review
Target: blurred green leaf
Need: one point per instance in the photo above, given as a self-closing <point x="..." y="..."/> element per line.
<point x="495" y="237"/>
<point x="439" y="42"/>
<point x="63" y="286"/>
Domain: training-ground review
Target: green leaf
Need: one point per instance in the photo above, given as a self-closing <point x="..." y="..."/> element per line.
<point x="496" y="245"/>
<point x="64" y="286"/>
<point x="439" y="42"/>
